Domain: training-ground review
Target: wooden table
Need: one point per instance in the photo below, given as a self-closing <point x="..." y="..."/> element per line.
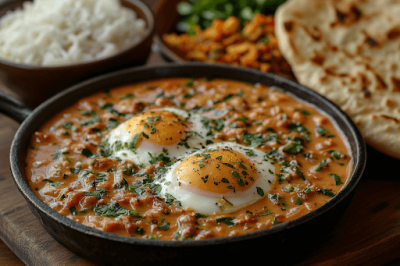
<point x="367" y="234"/>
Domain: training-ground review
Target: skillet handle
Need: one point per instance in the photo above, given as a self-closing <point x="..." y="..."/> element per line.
<point x="13" y="107"/>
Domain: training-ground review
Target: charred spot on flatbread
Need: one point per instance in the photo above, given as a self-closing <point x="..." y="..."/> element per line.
<point x="355" y="62"/>
<point x="347" y="18"/>
<point x="289" y="26"/>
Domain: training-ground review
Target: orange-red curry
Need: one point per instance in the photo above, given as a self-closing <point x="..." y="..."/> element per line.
<point x="71" y="169"/>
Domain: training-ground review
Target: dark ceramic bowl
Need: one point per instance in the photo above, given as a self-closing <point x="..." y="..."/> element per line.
<point x="283" y="243"/>
<point x="166" y="16"/>
<point x="34" y="84"/>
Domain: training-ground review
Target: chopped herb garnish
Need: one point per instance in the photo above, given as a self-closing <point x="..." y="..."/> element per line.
<point x="298" y="201"/>
<point x="230" y="203"/>
<point x="54" y="184"/>
<point x="139" y="230"/>
<point x="190" y="82"/>
<point x="129" y="95"/>
<point x="99" y="193"/>
<point x="164" y="226"/>
<point x="335" y="154"/>
<point x="226" y="220"/>
<point x="254" y="140"/>
<point x="265" y="213"/>
<point x="153" y="119"/>
<point x="321" y="165"/>
<point x="337" y="179"/>
<point x="112" y="123"/>
<point x="326" y="192"/>
<point x="305" y="190"/>
<point x="114" y="210"/>
<point x="73" y="211"/>
<point x="242" y="165"/>
<point x="250" y="152"/>
<point x="321" y="131"/>
<point x="87" y="153"/>
<point x="288" y="190"/>
<point x="161" y="157"/>
<point x="67" y="125"/>
<point x="292" y="148"/>
<point x="145" y="135"/>
<point x="224" y="180"/>
<point x="260" y="191"/>
<point x="244" y="119"/>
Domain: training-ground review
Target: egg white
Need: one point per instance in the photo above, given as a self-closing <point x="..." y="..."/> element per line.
<point x="211" y="205"/>
<point x="146" y="149"/>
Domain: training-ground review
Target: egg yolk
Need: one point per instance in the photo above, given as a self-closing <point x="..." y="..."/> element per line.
<point x="160" y="127"/>
<point x="222" y="172"/>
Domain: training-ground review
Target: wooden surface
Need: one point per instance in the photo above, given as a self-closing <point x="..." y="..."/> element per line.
<point x="367" y="234"/>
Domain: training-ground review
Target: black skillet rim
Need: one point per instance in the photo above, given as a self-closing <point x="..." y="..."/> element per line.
<point x="16" y="150"/>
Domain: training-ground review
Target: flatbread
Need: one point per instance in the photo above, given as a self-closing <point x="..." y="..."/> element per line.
<point x="349" y="51"/>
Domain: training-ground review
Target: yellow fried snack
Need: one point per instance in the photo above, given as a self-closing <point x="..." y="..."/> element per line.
<point x="254" y="46"/>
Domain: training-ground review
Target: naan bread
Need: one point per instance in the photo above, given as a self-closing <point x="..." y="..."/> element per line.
<point x="349" y="51"/>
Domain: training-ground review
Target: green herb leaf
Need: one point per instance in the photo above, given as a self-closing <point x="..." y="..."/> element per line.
<point x="87" y="153"/>
<point x="321" y="165"/>
<point x="337" y="179"/>
<point x="139" y="230"/>
<point x="226" y="220"/>
<point x="73" y="211"/>
<point x="265" y="213"/>
<point x="260" y="191"/>
<point x="244" y="119"/>
<point x="199" y="215"/>
<point x="99" y="193"/>
<point x="327" y="192"/>
<point x="112" y="123"/>
<point x="164" y="226"/>
<point x="67" y="125"/>
<point x="298" y="201"/>
<point x="321" y="131"/>
<point x="335" y="154"/>
<point x="111" y="209"/>
<point x="191" y="80"/>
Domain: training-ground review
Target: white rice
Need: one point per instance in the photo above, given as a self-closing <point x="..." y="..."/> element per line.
<point x="61" y="32"/>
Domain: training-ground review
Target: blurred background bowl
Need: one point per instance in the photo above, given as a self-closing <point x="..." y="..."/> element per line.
<point x="166" y="16"/>
<point x="194" y="30"/>
<point x="34" y="84"/>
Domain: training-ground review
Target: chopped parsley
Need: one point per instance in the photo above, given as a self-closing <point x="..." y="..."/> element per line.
<point x="321" y="131"/>
<point x="164" y="226"/>
<point x="87" y="153"/>
<point x="112" y="123"/>
<point x="67" y="125"/>
<point x="260" y="191"/>
<point x="254" y="140"/>
<point x="113" y="210"/>
<point x="321" y="165"/>
<point x="73" y="211"/>
<point x="327" y="192"/>
<point x="226" y="220"/>
<point x="99" y="193"/>
<point x="335" y="154"/>
<point x="337" y="179"/>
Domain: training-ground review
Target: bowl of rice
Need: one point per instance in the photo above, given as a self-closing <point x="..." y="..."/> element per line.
<point x="47" y="46"/>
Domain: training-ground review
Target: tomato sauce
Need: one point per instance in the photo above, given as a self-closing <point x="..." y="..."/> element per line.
<point x="71" y="170"/>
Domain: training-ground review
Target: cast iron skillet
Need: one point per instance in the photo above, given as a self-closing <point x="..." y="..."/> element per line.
<point x="285" y="242"/>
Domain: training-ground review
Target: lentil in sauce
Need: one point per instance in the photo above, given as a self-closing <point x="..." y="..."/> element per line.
<point x="71" y="169"/>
